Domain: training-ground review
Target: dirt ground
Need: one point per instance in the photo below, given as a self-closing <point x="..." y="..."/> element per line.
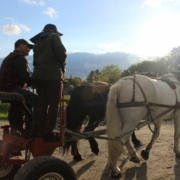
<point x="162" y="163"/>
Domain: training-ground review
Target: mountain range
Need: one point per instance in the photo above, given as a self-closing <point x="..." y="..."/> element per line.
<point x="80" y="64"/>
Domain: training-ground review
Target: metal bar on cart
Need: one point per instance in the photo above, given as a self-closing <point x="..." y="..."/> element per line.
<point x="73" y="136"/>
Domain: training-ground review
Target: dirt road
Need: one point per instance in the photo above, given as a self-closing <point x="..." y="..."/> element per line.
<point x="162" y="163"/>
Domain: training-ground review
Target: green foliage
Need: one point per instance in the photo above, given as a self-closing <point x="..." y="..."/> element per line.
<point x="109" y="74"/>
<point x="4" y="108"/>
<point x="159" y="66"/>
<point x="173" y="59"/>
<point x="4" y="111"/>
<point x="3" y="116"/>
<point x="73" y="81"/>
<point x="93" y="75"/>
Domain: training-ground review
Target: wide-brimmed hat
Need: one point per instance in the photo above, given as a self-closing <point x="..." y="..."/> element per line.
<point x="23" y="41"/>
<point x="51" y="28"/>
<point x="48" y="29"/>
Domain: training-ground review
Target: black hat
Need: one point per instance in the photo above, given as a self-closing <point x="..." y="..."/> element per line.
<point x="48" y="29"/>
<point x="23" y="41"/>
<point x="51" y="28"/>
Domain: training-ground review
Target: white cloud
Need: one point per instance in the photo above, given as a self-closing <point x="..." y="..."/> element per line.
<point x="51" y="12"/>
<point x="11" y="29"/>
<point x="14" y="29"/>
<point x="41" y="2"/>
<point x="24" y="27"/>
<point x="34" y="2"/>
<point x="158" y="3"/>
<point x="29" y="1"/>
<point x="10" y="18"/>
<point x="110" y="46"/>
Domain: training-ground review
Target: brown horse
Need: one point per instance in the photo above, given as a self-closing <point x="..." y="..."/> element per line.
<point x="87" y="100"/>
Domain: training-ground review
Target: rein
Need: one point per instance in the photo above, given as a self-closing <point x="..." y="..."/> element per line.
<point x="147" y="105"/>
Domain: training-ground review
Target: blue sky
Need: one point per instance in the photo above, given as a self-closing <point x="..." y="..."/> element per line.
<point x="144" y="27"/>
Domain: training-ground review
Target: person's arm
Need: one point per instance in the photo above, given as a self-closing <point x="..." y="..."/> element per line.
<point x="21" y="66"/>
<point x="59" y="50"/>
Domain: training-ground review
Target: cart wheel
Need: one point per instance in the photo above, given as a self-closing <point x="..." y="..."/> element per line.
<point x="8" y="171"/>
<point x="46" y="168"/>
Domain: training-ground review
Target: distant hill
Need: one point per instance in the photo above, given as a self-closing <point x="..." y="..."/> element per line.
<point x="80" y="64"/>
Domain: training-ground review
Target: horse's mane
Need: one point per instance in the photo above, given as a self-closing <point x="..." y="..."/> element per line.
<point x="149" y="74"/>
<point x="96" y="83"/>
<point x="100" y="86"/>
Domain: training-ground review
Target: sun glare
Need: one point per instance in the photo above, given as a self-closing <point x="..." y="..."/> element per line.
<point x="159" y="35"/>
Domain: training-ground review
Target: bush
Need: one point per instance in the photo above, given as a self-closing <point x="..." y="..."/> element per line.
<point x="4" y="108"/>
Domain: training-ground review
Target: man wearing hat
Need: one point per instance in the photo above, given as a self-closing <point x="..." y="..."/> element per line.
<point x="49" y="58"/>
<point x="14" y="75"/>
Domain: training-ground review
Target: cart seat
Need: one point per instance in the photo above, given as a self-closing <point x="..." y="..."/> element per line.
<point x="7" y="97"/>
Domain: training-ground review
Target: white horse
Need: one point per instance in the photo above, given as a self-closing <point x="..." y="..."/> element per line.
<point x="136" y="98"/>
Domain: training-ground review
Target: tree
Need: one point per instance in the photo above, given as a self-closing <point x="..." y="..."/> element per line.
<point x="110" y="74"/>
<point x="73" y="81"/>
<point x="159" y="66"/>
<point x="93" y="75"/>
<point x="173" y="60"/>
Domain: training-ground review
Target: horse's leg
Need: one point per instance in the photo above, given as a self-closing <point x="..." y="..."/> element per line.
<point x="75" y="152"/>
<point x="132" y="152"/>
<point x="93" y="143"/>
<point x="94" y="146"/>
<point x="145" y="153"/>
<point x="177" y="133"/>
<point x="134" y="139"/>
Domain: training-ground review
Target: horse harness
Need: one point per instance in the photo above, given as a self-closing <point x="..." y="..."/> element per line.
<point x="148" y="105"/>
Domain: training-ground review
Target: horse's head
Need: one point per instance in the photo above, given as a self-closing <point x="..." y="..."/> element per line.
<point x="96" y="108"/>
<point x="75" y="111"/>
<point x="86" y="100"/>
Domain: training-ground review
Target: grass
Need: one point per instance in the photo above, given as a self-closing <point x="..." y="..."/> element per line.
<point x="3" y="116"/>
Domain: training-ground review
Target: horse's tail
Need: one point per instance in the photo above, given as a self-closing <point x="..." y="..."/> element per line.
<point x="66" y="147"/>
<point x="113" y="124"/>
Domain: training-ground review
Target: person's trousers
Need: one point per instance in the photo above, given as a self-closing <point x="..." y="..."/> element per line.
<point x="48" y="102"/>
<point x="16" y="111"/>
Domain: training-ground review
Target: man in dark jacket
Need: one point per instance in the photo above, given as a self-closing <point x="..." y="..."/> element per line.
<point x="14" y="76"/>
<point x="49" y="58"/>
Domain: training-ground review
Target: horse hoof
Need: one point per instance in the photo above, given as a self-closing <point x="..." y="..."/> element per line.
<point x="134" y="159"/>
<point x="119" y="175"/>
<point x="96" y="153"/>
<point x="145" y="154"/>
<point x="78" y="158"/>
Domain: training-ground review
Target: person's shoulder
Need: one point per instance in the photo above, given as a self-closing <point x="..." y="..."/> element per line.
<point x="20" y="57"/>
<point x="54" y="35"/>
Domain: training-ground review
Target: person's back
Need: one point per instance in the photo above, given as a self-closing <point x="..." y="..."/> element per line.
<point x="9" y="78"/>
<point x="49" y="59"/>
